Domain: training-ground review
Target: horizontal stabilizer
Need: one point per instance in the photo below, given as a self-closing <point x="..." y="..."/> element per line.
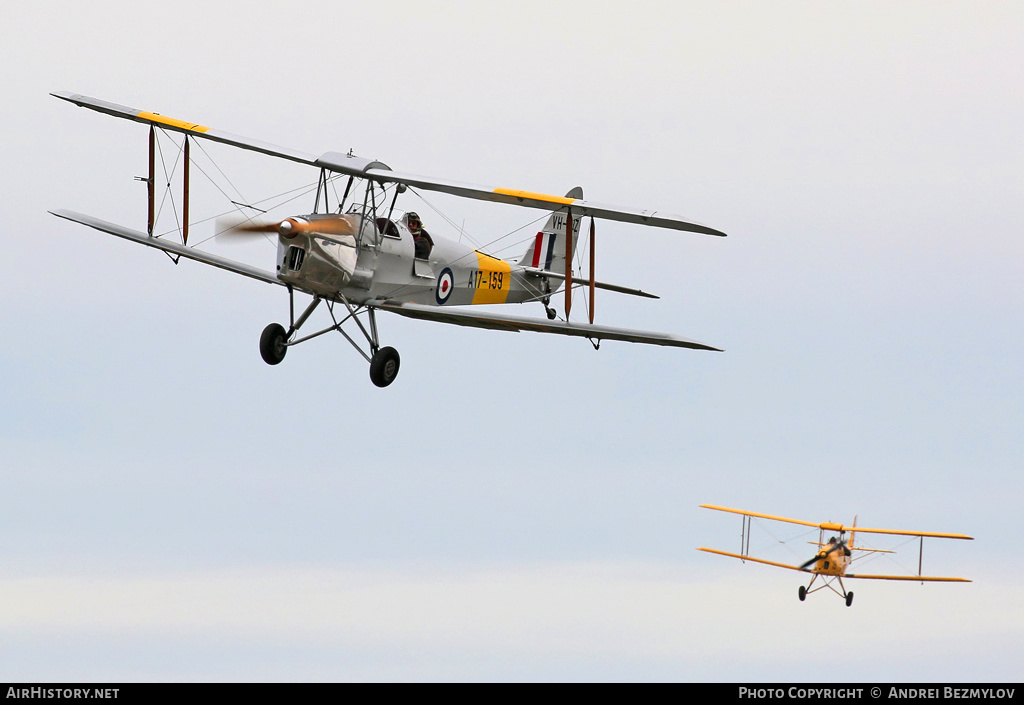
<point x="560" y="276"/>
<point x="167" y="246"/>
<point x="852" y="548"/>
<point x="495" y="321"/>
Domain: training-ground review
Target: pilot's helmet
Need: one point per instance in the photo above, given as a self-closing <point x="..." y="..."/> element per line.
<point x="412" y="219"/>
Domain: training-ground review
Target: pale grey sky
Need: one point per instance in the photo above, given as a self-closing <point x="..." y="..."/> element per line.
<point x="517" y="506"/>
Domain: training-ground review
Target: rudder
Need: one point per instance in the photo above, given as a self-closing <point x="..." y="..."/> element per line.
<point x="547" y="251"/>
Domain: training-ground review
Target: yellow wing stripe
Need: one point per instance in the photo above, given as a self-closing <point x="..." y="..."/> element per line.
<point x="756" y="560"/>
<point x="172" y="122"/>
<point x="535" y="196"/>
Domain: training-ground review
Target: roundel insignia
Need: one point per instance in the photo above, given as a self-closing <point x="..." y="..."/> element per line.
<point x="445" y="285"/>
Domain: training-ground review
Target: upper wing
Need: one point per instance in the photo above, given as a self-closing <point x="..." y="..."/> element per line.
<point x="545" y="201"/>
<point x="831" y="526"/>
<point x="922" y="578"/>
<point x="496" y="321"/>
<point x="143" y="116"/>
<point x="368" y="168"/>
<point x="763" y="516"/>
<point x="756" y="560"/>
<point x="173" y="247"/>
<point x="928" y="534"/>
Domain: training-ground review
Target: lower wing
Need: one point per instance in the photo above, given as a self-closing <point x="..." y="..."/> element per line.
<point x="167" y="246"/>
<point x="756" y="560"/>
<point x="497" y="321"/>
<point x="920" y="578"/>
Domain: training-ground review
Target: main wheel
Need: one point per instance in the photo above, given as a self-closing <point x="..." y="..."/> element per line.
<point x="272" y="344"/>
<point x="384" y="366"/>
<point x="802" y="593"/>
<point x="849" y="599"/>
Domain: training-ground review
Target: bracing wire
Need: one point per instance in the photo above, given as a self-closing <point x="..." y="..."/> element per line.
<point x="472" y="240"/>
<point x="784" y="541"/>
<point x="283" y="198"/>
<point x="298" y="191"/>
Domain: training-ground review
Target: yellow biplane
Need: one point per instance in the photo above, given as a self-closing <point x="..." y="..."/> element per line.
<point x="834" y="556"/>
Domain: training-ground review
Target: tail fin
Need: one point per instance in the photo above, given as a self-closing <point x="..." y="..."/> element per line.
<point x="547" y="251"/>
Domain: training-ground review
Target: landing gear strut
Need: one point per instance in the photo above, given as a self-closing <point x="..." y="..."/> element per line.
<point x="384" y="362"/>
<point x="828" y="583"/>
<point x="546" y="300"/>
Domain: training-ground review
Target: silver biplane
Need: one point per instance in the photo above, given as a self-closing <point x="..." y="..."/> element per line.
<point x="365" y="260"/>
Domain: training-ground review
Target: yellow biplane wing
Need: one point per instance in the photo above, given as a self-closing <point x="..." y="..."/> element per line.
<point x="919" y="578"/>
<point x="832" y="526"/>
<point x="756" y="560"/>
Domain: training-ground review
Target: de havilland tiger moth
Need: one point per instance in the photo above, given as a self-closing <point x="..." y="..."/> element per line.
<point x="362" y="259"/>
<point x="833" y="558"/>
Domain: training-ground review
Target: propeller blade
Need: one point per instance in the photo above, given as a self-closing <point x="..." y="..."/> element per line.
<point x="237" y="229"/>
<point x="832" y="549"/>
<point x="332" y="225"/>
<point x="252" y="227"/>
<point x="233" y="228"/>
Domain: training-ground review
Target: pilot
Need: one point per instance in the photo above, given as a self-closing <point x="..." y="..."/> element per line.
<point x="420" y="237"/>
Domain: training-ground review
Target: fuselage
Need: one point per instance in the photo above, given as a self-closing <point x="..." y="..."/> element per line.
<point x="831" y="560"/>
<point x="378" y="262"/>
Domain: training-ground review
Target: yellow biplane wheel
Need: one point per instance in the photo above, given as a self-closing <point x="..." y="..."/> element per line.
<point x="849" y="599"/>
<point x="802" y="593"/>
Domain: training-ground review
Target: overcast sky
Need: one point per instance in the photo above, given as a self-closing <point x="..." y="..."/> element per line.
<point x="518" y="506"/>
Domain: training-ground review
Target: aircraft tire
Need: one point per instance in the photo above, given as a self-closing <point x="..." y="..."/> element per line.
<point x="849" y="599"/>
<point x="272" y="344"/>
<point x="802" y="593"/>
<point x="384" y="367"/>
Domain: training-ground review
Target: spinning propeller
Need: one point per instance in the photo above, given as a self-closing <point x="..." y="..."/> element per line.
<point x="832" y="549"/>
<point x="288" y="228"/>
